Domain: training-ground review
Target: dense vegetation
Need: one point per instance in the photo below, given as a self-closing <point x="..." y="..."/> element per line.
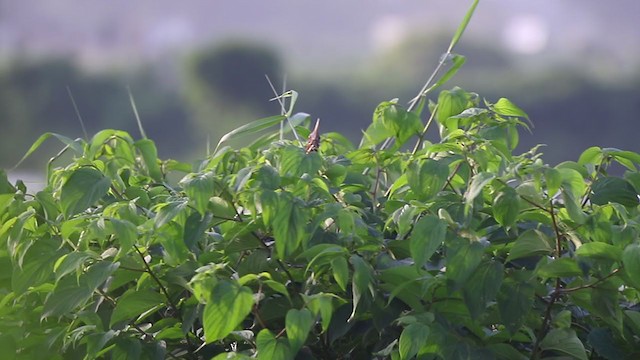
<point x="396" y="248"/>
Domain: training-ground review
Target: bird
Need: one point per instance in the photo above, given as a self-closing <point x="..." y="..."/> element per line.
<point x="313" y="142"/>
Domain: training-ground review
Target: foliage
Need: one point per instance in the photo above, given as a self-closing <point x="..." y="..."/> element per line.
<point x="397" y="248"/>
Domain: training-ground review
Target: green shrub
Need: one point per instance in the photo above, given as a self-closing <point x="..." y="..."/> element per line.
<point x="398" y="248"/>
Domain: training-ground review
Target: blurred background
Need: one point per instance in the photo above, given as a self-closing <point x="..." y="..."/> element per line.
<point x="197" y="69"/>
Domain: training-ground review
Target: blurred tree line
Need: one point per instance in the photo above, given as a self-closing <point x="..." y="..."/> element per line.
<point x="225" y="86"/>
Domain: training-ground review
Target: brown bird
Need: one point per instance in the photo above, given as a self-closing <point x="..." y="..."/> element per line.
<point x="313" y="143"/>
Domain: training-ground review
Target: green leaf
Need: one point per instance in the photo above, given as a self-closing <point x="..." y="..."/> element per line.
<point x="515" y="300"/>
<point x="71" y="262"/>
<point x="456" y="63"/>
<point x="227" y="307"/>
<point x="71" y="293"/>
<point x="613" y="189"/>
<point x="631" y="262"/>
<point x="506" y="207"/>
<point x="412" y="339"/>
<point x="427" y="178"/>
<point x="563" y="267"/>
<point x="530" y="243"/>
<point x="271" y="348"/>
<point x="127" y="235"/>
<point x="168" y="211"/>
<point x="592" y="155"/>
<point x="97" y="341"/>
<point x="482" y="287"/>
<point x="298" y="324"/>
<point x="463" y="25"/>
<point x="450" y="103"/>
<point x="75" y="145"/>
<point x="133" y="303"/>
<point x="553" y="181"/>
<point x="295" y="162"/>
<point x="340" y="271"/>
<point x="426" y="237"/>
<point x="507" y="108"/>
<point x="599" y="250"/>
<point x="195" y="228"/>
<point x="603" y="342"/>
<point x="250" y="128"/>
<point x="362" y="281"/>
<point x="564" y="341"/>
<point x="288" y="225"/>
<point x="321" y="304"/>
<point x="150" y="156"/>
<point x="463" y="258"/>
<point x="478" y="182"/>
<point x="82" y="189"/>
<point x="199" y="188"/>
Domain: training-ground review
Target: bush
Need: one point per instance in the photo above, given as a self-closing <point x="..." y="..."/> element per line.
<point x="397" y="248"/>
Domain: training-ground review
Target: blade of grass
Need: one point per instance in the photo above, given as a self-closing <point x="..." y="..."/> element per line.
<point x="75" y="107"/>
<point x="135" y="112"/>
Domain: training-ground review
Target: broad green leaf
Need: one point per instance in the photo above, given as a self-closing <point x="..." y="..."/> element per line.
<point x="83" y="189"/>
<point x="133" y="303"/>
<point x="269" y="204"/>
<point x="450" y="103"/>
<point x="127" y="235"/>
<point x="515" y="300"/>
<point x="199" y="188"/>
<point x="321" y="304"/>
<point x="506" y="206"/>
<point x="530" y="243"/>
<point x="277" y="287"/>
<point x="507" y="108"/>
<point x="592" y="155"/>
<point x="195" y="228"/>
<point x="97" y="341"/>
<point x="298" y="324"/>
<point x="504" y="351"/>
<point x="563" y="267"/>
<point x="150" y="156"/>
<point x="228" y="305"/>
<point x="463" y="258"/>
<point x="71" y="262"/>
<point x="482" y="287"/>
<point x="271" y="348"/>
<point x="168" y="211"/>
<point x="426" y="237"/>
<point x="564" y="341"/>
<point x="562" y="319"/>
<point x="412" y="339"/>
<point x="631" y="262"/>
<point x="362" y="281"/>
<point x="599" y="250"/>
<point x="478" y="182"/>
<point x="250" y="128"/>
<point x="340" y="271"/>
<point x="553" y="181"/>
<point x="603" y="342"/>
<point x="37" y="266"/>
<point x="232" y="355"/>
<point x="427" y="178"/>
<point x="612" y="189"/>
<point x="295" y="162"/>
<point x="71" y="293"/>
<point x="289" y="224"/>
<point x="268" y="177"/>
